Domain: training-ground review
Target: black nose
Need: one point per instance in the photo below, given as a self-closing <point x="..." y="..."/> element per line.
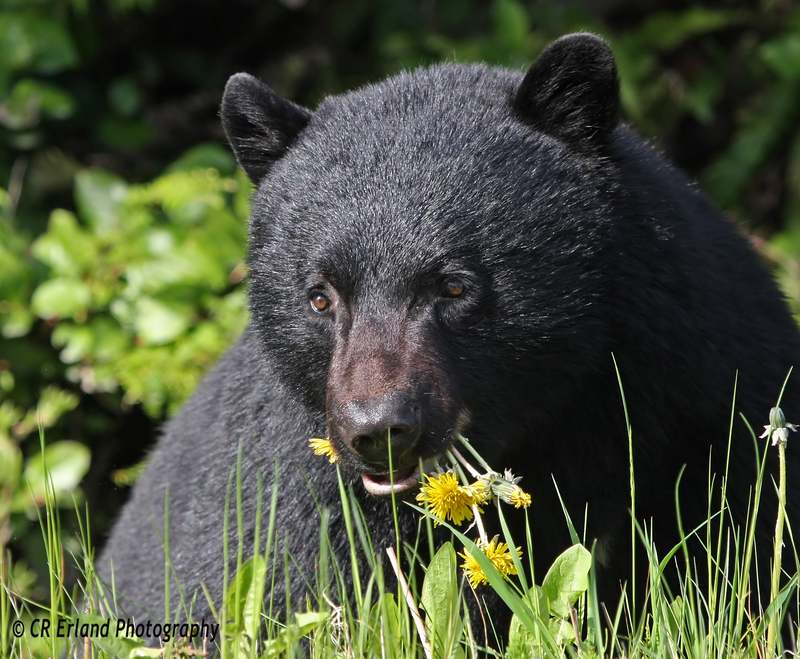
<point x="367" y="426"/>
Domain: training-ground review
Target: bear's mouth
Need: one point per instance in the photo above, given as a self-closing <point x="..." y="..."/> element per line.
<point x="386" y="484"/>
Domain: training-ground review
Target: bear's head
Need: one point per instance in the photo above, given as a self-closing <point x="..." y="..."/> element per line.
<point x="427" y="253"/>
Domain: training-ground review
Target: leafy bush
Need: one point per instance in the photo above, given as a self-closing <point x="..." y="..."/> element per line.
<point x="139" y="291"/>
<point x="145" y="292"/>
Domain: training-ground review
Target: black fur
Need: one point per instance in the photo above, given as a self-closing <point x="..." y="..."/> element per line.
<point x="260" y="125"/>
<point x="571" y="91"/>
<point x="573" y="238"/>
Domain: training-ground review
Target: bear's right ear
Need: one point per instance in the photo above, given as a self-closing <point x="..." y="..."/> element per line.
<point x="571" y="92"/>
<point x="259" y="124"/>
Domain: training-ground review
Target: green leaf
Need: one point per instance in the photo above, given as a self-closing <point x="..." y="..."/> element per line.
<point x="567" y="579"/>
<point x="31" y="100"/>
<point x="782" y="55"/>
<point x="66" y="248"/>
<point x="388" y="616"/>
<point x="109" y="341"/>
<point x="15" y="321"/>
<point x="205" y="156"/>
<point x="304" y="624"/>
<point x="511" y="24"/>
<point x="668" y="30"/>
<point x="10" y="463"/>
<point x="65" y="462"/>
<point x="28" y="39"/>
<point x="308" y="621"/>
<point x="245" y="594"/>
<point x="522" y="642"/>
<point x="562" y="630"/>
<point x="61" y="298"/>
<point x="518" y="605"/>
<point x="99" y="196"/>
<point x="124" y="96"/>
<point x="75" y="341"/>
<point x="754" y="141"/>
<point x="440" y="600"/>
<point x="158" y="322"/>
<point x="53" y="404"/>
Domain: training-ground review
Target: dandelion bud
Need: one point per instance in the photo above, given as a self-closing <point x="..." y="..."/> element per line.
<point x="778" y="428"/>
<point x="507" y="490"/>
<point x="777" y="419"/>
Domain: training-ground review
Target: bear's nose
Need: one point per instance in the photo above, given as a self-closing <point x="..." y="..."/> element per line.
<point x="367" y="426"/>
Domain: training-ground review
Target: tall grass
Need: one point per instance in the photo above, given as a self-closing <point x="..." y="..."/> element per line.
<point x="428" y="609"/>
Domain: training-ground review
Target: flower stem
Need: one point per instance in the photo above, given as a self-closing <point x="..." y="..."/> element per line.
<point x="457" y="455"/>
<point x="777" y="550"/>
<point x="479" y="524"/>
<point x="412" y="607"/>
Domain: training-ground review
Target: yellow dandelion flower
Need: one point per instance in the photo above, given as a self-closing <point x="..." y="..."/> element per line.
<point x="500" y="556"/>
<point x="324" y="447"/>
<point x="480" y="492"/>
<point x="520" y="498"/>
<point x="442" y="495"/>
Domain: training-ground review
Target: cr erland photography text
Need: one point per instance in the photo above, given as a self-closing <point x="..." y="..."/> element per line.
<point x="118" y="628"/>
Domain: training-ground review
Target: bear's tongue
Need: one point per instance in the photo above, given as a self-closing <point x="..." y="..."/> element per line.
<point x="381" y="485"/>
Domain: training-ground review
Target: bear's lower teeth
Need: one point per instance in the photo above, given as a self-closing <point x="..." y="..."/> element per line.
<point x="381" y="485"/>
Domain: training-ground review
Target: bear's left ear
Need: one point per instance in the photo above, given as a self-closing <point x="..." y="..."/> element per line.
<point x="571" y="92"/>
<point x="259" y="124"/>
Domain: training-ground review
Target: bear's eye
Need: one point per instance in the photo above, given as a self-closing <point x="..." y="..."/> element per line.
<point x="319" y="302"/>
<point x="452" y="288"/>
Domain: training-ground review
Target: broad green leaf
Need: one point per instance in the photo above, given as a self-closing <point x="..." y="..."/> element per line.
<point x="440" y="600"/>
<point x="498" y="583"/>
<point x="101" y="340"/>
<point x="109" y="340"/>
<point x="31" y="100"/>
<point x="65" y="247"/>
<point x="15" y="320"/>
<point x="567" y="579"/>
<point x="61" y="298"/>
<point x="308" y="621"/>
<point x="99" y="196"/>
<point x="65" y="463"/>
<point x="388" y="615"/>
<point x="75" y="342"/>
<point x="10" y="414"/>
<point x="158" y="322"/>
<point x="28" y="39"/>
<point x="304" y="624"/>
<point x="245" y="595"/>
<point x="524" y="643"/>
<point x="782" y="55"/>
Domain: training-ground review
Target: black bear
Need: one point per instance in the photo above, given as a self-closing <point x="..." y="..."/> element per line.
<point x="462" y="248"/>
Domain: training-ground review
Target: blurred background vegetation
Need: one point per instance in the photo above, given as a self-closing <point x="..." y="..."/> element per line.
<point x="123" y="218"/>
